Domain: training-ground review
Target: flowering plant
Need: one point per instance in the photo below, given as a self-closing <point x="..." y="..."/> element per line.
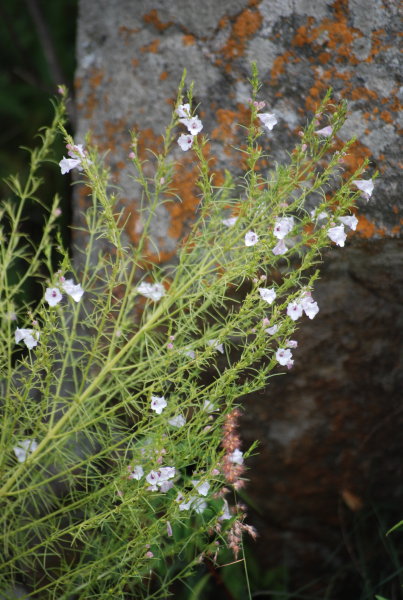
<point x="119" y="443"/>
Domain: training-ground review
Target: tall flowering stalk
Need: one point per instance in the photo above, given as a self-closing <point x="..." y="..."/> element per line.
<point x="119" y="439"/>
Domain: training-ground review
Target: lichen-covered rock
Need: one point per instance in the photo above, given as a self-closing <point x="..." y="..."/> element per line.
<point x="330" y="428"/>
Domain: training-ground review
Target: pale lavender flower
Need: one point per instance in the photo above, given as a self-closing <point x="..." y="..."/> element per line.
<point x="226" y="515"/>
<point x="193" y="124"/>
<point x="283" y="226"/>
<point x="283" y="356"/>
<point x="24" y="448"/>
<point x="292" y="344"/>
<point x="153" y="291"/>
<point x="208" y="406"/>
<point x="185" y="141"/>
<point x="53" y="296"/>
<point x="337" y="235"/>
<point x="366" y="186"/>
<point x="230" y="222"/>
<point x="158" y="403"/>
<point x="272" y="330"/>
<point x="169" y="529"/>
<point x="199" y="505"/>
<point x="202" y="488"/>
<point x="177" y="421"/>
<point x="294" y="310"/>
<point x="236" y="457"/>
<point x="152" y="478"/>
<point x="73" y="290"/>
<point x="268" y="120"/>
<point x="30" y="337"/>
<point x="137" y="472"/>
<point x="67" y="164"/>
<point x="251" y="238"/>
<point x="183" y="111"/>
<point x="280" y="248"/>
<point x="309" y="306"/>
<point x="350" y="221"/>
<point x="216" y="345"/>
<point x="326" y="131"/>
<point x="267" y="294"/>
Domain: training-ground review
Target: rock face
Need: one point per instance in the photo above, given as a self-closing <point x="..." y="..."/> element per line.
<point x="329" y="430"/>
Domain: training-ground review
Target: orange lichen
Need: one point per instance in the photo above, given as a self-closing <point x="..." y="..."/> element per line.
<point x="151" y="47"/>
<point x="135" y="62"/>
<point x="188" y="40"/>
<point x="367" y="229"/>
<point x="386" y="116"/>
<point x="279" y="64"/>
<point x="163" y="75"/>
<point x="244" y="27"/>
<point x="91" y="101"/>
<point x="152" y="18"/>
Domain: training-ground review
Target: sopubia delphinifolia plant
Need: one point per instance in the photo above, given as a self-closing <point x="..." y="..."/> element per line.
<point x="120" y="451"/>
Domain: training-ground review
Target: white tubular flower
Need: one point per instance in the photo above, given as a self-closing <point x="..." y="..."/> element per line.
<point x="267" y="294"/>
<point x="153" y="291"/>
<point x="350" y="221"/>
<point x="251" y="238"/>
<point x="30" y="337"/>
<point x="284" y="356"/>
<point x="193" y="125"/>
<point x="230" y="222"/>
<point x="366" y="186"/>
<point x="185" y="141"/>
<point x="282" y="227"/>
<point x="183" y="111"/>
<point x="24" y="448"/>
<point x="177" y="421"/>
<point x="236" y="457"/>
<point x="325" y="132"/>
<point x="53" y="296"/>
<point x="73" y="290"/>
<point x="137" y="472"/>
<point x="337" y="235"/>
<point x="268" y="120"/>
<point x="158" y="403"/>
<point x="202" y="488"/>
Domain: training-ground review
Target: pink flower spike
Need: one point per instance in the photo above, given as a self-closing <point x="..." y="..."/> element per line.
<point x="149" y="554"/>
<point x="185" y="141"/>
<point x="132" y="155"/>
<point x="326" y="131"/>
<point x="268" y="120"/>
<point x="366" y="186"/>
<point x="265" y="321"/>
<point x="170" y="346"/>
<point x="337" y="235"/>
<point x="251" y="238"/>
<point x="280" y="248"/>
